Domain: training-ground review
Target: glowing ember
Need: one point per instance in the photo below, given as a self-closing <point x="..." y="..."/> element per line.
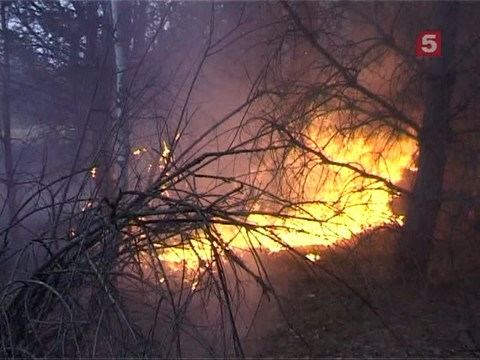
<point x="87" y="205"/>
<point x="166" y="150"/>
<point x="312" y="257"/>
<point x="139" y="151"/>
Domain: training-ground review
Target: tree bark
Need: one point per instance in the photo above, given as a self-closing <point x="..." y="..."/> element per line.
<point x="100" y="62"/>
<point x="121" y="124"/>
<point x="6" y="118"/>
<point x="422" y="214"/>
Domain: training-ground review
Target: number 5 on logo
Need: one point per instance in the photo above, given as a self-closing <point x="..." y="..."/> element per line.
<point x="429" y="44"/>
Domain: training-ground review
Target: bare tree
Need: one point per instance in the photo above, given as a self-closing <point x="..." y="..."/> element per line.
<point x="6" y="135"/>
<point x="357" y="70"/>
<point x="422" y="215"/>
<point x="120" y="124"/>
<point x="179" y="211"/>
<point x="182" y="182"/>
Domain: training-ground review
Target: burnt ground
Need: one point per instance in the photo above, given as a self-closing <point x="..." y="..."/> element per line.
<point x="347" y="305"/>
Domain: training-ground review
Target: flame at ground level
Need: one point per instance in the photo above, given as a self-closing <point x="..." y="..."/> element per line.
<point x="334" y="202"/>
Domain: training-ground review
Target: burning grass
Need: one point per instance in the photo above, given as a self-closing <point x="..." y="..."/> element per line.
<point x="171" y="269"/>
<point x="335" y="188"/>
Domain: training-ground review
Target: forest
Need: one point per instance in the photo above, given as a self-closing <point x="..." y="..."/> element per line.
<point x="227" y="179"/>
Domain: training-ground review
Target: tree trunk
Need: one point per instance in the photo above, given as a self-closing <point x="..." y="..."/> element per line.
<point x="101" y="60"/>
<point x="120" y="135"/>
<point x="439" y="80"/>
<point x="121" y="124"/>
<point x="6" y="133"/>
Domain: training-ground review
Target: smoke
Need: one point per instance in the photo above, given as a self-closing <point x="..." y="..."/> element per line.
<point x="205" y="128"/>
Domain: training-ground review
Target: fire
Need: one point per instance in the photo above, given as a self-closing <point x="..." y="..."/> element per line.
<point x="312" y="257"/>
<point x="166" y="150"/>
<point x="139" y="151"/>
<point x="332" y="201"/>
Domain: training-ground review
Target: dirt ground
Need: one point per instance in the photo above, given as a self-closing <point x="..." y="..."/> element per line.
<point x="346" y="305"/>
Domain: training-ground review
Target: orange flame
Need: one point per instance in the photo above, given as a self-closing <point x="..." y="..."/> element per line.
<point x="335" y="202"/>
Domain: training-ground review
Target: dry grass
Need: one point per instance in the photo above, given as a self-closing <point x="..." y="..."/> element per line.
<point x="348" y="305"/>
